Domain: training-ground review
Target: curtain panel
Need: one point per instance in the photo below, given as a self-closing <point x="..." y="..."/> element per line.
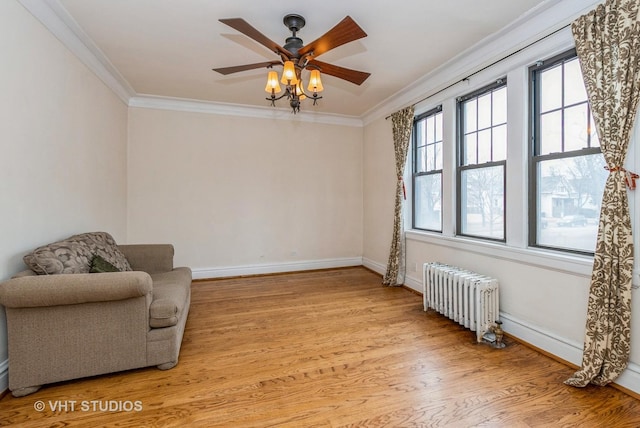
<point x="608" y="45"/>
<point x="401" y="122"/>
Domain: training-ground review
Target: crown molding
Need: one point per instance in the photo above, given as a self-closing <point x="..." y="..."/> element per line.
<point x="58" y="21"/>
<point x="228" y="109"/>
<point x="539" y="22"/>
<point x="53" y="15"/>
<point x="532" y="25"/>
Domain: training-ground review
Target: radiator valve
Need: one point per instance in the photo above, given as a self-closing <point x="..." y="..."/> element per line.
<point x="497" y="330"/>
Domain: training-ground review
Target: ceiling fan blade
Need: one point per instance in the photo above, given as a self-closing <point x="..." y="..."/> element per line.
<point x="245" y="28"/>
<point x="237" y="68"/>
<point x="344" y="32"/>
<point x="353" y="76"/>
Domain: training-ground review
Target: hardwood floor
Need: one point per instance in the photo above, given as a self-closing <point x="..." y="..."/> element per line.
<point x="327" y="349"/>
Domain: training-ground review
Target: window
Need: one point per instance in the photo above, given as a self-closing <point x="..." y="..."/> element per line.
<point x="567" y="174"/>
<point x="427" y="170"/>
<point x="482" y="154"/>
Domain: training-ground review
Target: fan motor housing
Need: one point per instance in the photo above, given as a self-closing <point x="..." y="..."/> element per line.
<point x="293" y="45"/>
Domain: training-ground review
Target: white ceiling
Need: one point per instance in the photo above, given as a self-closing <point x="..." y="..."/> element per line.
<point x="167" y="48"/>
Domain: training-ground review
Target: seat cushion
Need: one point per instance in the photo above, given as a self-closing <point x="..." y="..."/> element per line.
<point x="170" y="294"/>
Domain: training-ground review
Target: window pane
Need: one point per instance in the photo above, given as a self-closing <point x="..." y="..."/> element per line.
<point x="575" y="128"/>
<point x="430" y="130"/>
<point x="574" y="90"/>
<point x="430" y="158"/>
<point x="438" y="120"/>
<point x="438" y="147"/>
<point x="551" y="133"/>
<point x="470" y="149"/>
<point x="421" y="163"/>
<point x="428" y="189"/>
<point x="484" y="111"/>
<point x="420" y="137"/>
<point x="482" y="211"/>
<point x="470" y="113"/>
<point x="500" y="106"/>
<point x="569" y="197"/>
<point x="500" y="143"/>
<point x="484" y="146"/>
<point x="551" y="82"/>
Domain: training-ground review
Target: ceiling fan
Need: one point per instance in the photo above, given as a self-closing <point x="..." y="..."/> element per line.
<point x="295" y="57"/>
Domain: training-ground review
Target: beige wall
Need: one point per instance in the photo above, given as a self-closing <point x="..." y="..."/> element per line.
<point x="379" y="190"/>
<point x="63" y="144"/>
<point x="230" y="191"/>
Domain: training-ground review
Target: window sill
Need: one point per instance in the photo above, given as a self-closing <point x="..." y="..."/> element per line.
<point x="547" y="259"/>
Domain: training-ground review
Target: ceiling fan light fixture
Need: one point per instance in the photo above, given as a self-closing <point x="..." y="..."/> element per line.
<point x="289" y="74"/>
<point x="273" y="86"/>
<point x="315" y="83"/>
<point x="299" y="57"/>
<point x="299" y="92"/>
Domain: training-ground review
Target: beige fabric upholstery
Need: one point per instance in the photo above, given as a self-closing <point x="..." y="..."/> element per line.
<point x="68" y="326"/>
<point x="168" y="301"/>
<point x="55" y="290"/>
<point x="151" y="258"/>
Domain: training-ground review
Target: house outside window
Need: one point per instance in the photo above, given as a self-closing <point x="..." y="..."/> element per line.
<point x="567" y="174"/>
<point x="427" y="170"/>
<point x="482" y="154"/>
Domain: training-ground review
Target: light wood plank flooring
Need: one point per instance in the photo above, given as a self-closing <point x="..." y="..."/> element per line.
<point x="329" y="349"/>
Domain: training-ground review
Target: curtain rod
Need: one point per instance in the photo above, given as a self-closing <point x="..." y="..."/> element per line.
<point x="488" y="66"/>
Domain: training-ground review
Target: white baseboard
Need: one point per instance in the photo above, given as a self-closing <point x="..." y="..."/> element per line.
<point x="374" y="266"/>
<point x="414" y="283"/>
<point x="4" y="375"/>
<point x="563" y="348"/>
<point x="261" y="269"/>
<point x="409" y="281"/>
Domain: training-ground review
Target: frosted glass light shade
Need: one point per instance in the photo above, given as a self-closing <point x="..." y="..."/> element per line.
<point x="289" y="74"/>
<point x="272" y="83"/>
<point x="315" y="84"/>
<point x="299" y="91"/>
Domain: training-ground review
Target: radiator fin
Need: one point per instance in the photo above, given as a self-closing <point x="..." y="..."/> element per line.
<point x="469" y="298"/>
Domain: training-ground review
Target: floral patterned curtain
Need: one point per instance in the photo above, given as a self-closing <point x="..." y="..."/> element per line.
<point x="401" y="122"/>
<point x="608" y="45"/>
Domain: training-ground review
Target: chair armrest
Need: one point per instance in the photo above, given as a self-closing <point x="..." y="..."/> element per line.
<point x="72" y="289"/>
<point x="150" y="258"/>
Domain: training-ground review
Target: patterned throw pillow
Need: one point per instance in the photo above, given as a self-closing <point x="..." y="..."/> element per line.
<point x="66" y="256"/>
<point x="74" y="254"/>
<point x="102" y="244"/>
<point x="100" y="265"/>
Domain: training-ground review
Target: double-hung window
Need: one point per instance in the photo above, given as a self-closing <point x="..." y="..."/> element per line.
<point x="427" y="170"/>
<point x="482" y="159"/>
<point x="567" y="174"/>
